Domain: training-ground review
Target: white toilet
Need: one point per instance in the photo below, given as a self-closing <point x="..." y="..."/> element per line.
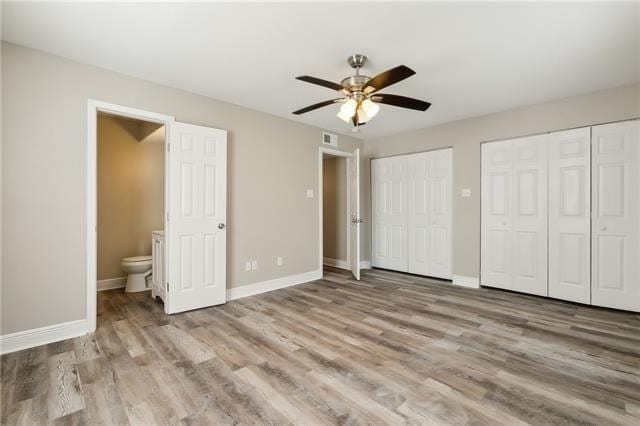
<point x="138" y="268"/>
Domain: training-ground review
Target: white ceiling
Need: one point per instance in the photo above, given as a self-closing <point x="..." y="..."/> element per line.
<point x="471" y="58"/>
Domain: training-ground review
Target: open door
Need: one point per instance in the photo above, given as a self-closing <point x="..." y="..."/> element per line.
<point x="356" y="221"/>
<point x="196" y="217"/>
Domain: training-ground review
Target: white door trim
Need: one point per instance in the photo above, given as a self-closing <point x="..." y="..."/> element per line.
<point x="93" y="107"/>
<point x="321" y="151"/>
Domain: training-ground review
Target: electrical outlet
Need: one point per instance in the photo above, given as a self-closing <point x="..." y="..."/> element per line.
<point x="466" y="192"/>
<point x="254" y="265"/>
<point x="279" y="261"/>
<point x="247" y="266"/>
<point x="309" y="193"/>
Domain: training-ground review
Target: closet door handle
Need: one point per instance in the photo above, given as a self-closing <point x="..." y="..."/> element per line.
<point x="221" y="226"/>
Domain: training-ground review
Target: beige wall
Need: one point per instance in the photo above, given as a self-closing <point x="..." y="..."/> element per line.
<point x="272" y="161"/>
<point x="335" y="208"/>
<point x="130" y="190"/>
<point x="465" y="137"/>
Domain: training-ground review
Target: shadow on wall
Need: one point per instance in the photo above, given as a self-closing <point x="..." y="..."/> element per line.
<point x="130" y="190"/>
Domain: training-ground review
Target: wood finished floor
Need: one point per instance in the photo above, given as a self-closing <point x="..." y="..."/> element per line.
<point x="390" y="349"/>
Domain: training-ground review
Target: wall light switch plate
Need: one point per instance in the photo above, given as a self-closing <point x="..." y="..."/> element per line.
<point x="279" y="261"/>
<point x="466" y="192"/>
<point x="309" y="193"/>
<point x="247" y="266"/>
<point x="254" y="265"/>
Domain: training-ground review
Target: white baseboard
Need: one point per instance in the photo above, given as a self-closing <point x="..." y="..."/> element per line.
<point x="336" y="263"/>
<point x="41" y="336"/>
<point x="112" y="283"/>
<point x="462" y="281"/>
<point x="275" y="284"/>
<point x="365" y="264"/>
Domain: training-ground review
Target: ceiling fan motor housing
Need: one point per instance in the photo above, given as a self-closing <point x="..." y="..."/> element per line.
<point x="355" y="83"/>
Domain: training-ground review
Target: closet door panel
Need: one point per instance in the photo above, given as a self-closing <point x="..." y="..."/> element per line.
<point x="440" y="215"/>
<point x="389" y="214"/>
<point x="569" y="215"/>
<point x="418" y="213"/>
<point x="615" y="230"/>
<point x="529" y="228"/>
<point x="496" y="215"/>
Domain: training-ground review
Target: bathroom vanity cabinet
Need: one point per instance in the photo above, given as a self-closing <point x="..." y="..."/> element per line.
<point x="158" y="269"/>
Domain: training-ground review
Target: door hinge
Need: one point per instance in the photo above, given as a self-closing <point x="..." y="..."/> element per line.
<point x="167" y="216"/>
<point x="167" y="286"/>
<point x="168" y="147"/>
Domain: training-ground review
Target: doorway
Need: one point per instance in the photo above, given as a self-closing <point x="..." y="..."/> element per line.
<point x="335" y="217"/>
<point x="131" y="208"/>
<point x="339" y="210"/>
<point x="194" y="211"/>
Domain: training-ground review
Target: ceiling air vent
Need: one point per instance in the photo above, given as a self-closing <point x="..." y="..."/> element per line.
<point x="329" y="139"/>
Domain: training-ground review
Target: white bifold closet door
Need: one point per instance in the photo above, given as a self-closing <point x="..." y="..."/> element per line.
<point x="514" y="215"/>
<point x="429" y="213"/>
<point x="389" y="213"/>
<point x="615" y="226"/>
<point x="412" y="213"/>
<point x="495" y="235"/>
<point x="569" y="215"/>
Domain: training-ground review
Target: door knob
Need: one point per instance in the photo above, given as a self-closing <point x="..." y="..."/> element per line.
<point x="604" y="228"/>
<point x="221" y="226"/>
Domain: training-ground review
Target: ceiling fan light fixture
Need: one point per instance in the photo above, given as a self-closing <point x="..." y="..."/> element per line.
<point x="347" y="110"/>
<point x="370" y="108"/>
<point x="356" y="90"/>
<point x="363" y="117"/>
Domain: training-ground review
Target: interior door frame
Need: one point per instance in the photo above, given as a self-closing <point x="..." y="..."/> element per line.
<point x="336" y="153"/>
<point x="93" y="108"/>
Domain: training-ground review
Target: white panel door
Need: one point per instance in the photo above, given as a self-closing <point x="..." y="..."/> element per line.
<point x="439" y="212"/>
<point x="529" y="215"/>
<point x="569" y="215"/>
<point x="418" y="205"/>
<point x="495" y="262"/>
<point x="389" y="213"/>
<point x="615" y="274"/>
<point x="197" y="203"/>
<point x="356" y="220"/>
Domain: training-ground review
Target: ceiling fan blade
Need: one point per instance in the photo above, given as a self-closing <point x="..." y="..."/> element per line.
<point x="401" y="101"/>
<point x="388" y="78"/>
<point x="316" y="106"/>
<point x="321" y="82"/>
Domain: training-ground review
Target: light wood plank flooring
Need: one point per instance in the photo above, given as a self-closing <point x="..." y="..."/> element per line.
<point x="390" y="349"/>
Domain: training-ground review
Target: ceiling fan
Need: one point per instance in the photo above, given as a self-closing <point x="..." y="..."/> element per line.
<point x="360" y="93"/>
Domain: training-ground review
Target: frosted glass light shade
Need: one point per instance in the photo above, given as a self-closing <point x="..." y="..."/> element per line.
<point x="370" y="108"/>
<point x="347" y="110"/>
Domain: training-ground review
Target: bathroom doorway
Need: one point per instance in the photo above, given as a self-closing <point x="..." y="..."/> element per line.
<point x="192" y="262"/>
<point x="130" y="201"/>
<point x="136" y="131"/>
